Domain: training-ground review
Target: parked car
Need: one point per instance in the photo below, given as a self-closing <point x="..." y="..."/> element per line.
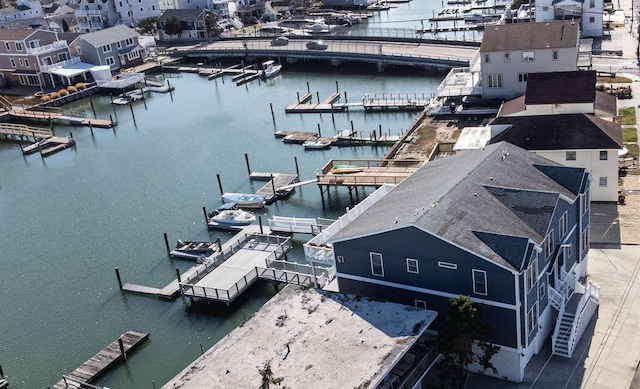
<point x="317" y="45"/>
<point x="280" y="41"/>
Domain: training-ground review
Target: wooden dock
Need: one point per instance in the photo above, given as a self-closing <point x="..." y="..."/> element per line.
<point x="22" y="131"/>
<point x="49" y="145"/>
<point x="397" y="101"/>
<point x="59" y="116"/>
<point x="275" y="181"/>
<point x="373" y="172"/>
<point x="328" y="105"/>
<point x="101" y="362"/>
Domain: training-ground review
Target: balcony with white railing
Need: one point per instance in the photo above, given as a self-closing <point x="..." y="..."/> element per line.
<point x="460" y="82"/>
<point x="317" y="249"/>
<point x="59" y="65"/>
<point x="90" y="12"/>
<point x="57" y="45"/>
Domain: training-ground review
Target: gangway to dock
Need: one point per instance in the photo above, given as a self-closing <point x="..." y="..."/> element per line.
<point x="22" y="130"/>
<point x="295" y="225"/>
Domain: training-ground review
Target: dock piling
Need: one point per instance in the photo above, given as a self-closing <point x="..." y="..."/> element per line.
<point x="166" y="242"/>
<point x="219" y="184"/>
<point x="178" y="275"/>
<point x="319" y="133"/>
<point x="337" y="89"/>
<point x="219" y="243"/>
<point x="246" y="158"/>
<point x="318" y="96"/>
<point x="206" y="217"/>
<point x="91" y="129"/>
<point x="273" y="186"/>
<point x="1" y="372"/>
<point x="121" y="345"/>
<point x="119" y="279"/>
<point x="345" y="97"/>
<point x="92" y="107"/>
<point x="298" y="93"/>
<point x="201" y="349"/>
<point x="308" y="90"/>
<point x="260" y="223"/>
<point x="295" y="159"/>
<point x="273" y="117"/>
<point x="153" y="383"/>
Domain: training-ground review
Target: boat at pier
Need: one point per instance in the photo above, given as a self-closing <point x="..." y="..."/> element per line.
<point x="270" y="69"/>
<point x="193" y="250"/>
<point x="128" y="97"/>
<point x="242" y="200"/>
<point x="316" y="144"/>
<point x="230" y="218"/>
<point x="344" y="169"/>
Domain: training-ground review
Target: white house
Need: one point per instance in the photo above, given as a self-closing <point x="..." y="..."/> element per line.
<point x="589" y="13"/>
<point x="94" y="15"/>
<point x="23" y="10"/>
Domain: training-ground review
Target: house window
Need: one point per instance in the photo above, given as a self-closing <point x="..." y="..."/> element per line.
<point x="603" y="182"/>
<point x="141" y="9"/>
<point x="62" y="57"/>
<point x="377" y="268"/>
<point x="34" y="44"/>
<point x="79" y="50"/>
<point x="487" y="58"/>
<point x="6" y="45"/>
<point x="21" y="61"/>
<point x="119" y="45"/>
<point x="340" y="259"/>
<point x="584" y="205"/>
<point x="479" y="282"/>
<point x="153" y="7"/>
<point x="532" y="274"/>
<point x="555" y="55"/>
<point x="603" y="155"/>
<point x="528" y="56"/>
<point x="507" y="58"/>
<point x="542" y="290"/>
<point x="22" y="79"/>
<point x="46" y="61"/>
<point x="129" y="42"/>
<point x="592" y="3"/>
<point x="13" y="62"/>
<point x="109" y="61"/>
<point x="448" y="265"/>
<point x="585" y="239"/>
<point x="106" y="48"/>
<point x="548" y="244"/>
<point x="562" y="225"/>
<point x="532" y="318"/>
<point x="592" y="19"/>
<point x="18" y="46"/>
<point x="412" y="265"/>
<point x="32" y="80"/>
<point x="495" y="80"/>
<point x="571" y="156"/>
<point x="26" y="63"/>
<point x="522" y="77"/>
<point x="420" y="304"/>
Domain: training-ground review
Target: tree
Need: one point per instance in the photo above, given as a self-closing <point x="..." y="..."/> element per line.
<point x="148" y="26"/>
<point x="173" y="26"/>
<point x="211" y="24"/>
<point x="65" y="26"/>
<point x="267" y="377"/>
<point x="464" y="341"/>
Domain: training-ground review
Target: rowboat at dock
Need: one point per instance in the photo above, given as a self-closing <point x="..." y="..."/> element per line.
<point x="193" y="250"/>
<point x="246" y="201"/>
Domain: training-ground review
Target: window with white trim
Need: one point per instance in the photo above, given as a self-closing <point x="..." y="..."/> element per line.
<point x="18" y="46"/>
<point x="340" y="259"/>
<point x="13" y="62"/>
<point x="129" y="42"/>
<point x="548" y="244"/>
<point x="6" y="45"/>
<point x="522" y="77"/>
<point x="377" y="267"/>
<point x="507" y="58"/>
<point x="420" y="304"/>
<point x="487" y="58"/>
<point x="528" y="56"/>
<point x="479" y="282"/>
<point x="603" y="155"/>
<point x="26" y="63"/>
<point x="21" y="61"/>
<point x="448" y="265"/>
<point x="532" y="274"/>
<point x="46" y="61"/>
<point x="569" y="248"/>
<point x="106" y="48"/>
<point x="563" y="225"/>
<point x="494" y="80"/>
<point x="109" y="61"/>
<point x="119" y="44"/>
<point x="555" y="55"/>
<point x="34" y="44"/>
<point x="532" y="318"/>
<point x="603" y="181"/>
<point x="542" y="290"/>
<point x="79" y="50"/>
<point x="412" y="265"/>
<point x="62" y="57"/>
<point x="570" y="155"/>
<point x="585" y="239"/>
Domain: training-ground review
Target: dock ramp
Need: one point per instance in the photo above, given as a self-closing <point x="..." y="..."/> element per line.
<point x="296" y="225"/>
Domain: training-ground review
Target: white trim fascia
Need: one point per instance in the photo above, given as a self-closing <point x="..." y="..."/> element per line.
<point x="423" y="290"/>
<point x="518" y="324"/>
<point x="427" y="232"/>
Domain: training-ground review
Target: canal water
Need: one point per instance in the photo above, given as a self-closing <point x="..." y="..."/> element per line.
<point x="68" y="220"/>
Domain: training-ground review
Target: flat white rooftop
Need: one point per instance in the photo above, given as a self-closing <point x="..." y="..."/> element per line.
<point x="312" y="339"/>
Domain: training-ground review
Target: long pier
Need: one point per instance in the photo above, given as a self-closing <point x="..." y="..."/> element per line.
<point x="60" y="116"/>
<point x="369" y="102"/>
<point x="101" y="362"/>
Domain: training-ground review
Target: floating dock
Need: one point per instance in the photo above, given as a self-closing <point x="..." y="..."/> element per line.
<point x="275" y="181"/>
<point x="398" y="101"/>
<point x="49" y="145"/>
<point x="101" y="362"/>
<point x="60" y="117"/>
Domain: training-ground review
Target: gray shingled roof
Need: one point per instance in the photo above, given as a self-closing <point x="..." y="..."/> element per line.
<point x="17" y="34"/>
<point x="183" y="15"/>
<point x="458" y="196"/>
<point x="552" y="88"/>
<point x="522" y="36"/>
<point x="560" y="132"/>
<point x="109" y="35"/>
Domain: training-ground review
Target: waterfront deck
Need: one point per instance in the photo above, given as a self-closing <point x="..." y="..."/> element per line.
<point x="60" y="117"/>
<point x="373" y="172"/>
<point x="101" y="362"/>
<point x="49" y="145"/>
<point x="275" y="181"/>
<point x="369" y="102"/>
<point x="22" y="131"/>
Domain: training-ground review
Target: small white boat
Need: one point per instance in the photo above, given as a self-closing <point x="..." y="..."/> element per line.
<point x="230" y="218"/>
<point x="316" y="144"/>
<point x="270" y="69"/>
<point x="242" y="200"/>
<point x="128" y="98"/>
<point x="193" y="250"/>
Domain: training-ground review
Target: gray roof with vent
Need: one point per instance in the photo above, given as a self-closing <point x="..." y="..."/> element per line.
<point x="501" y="190"/>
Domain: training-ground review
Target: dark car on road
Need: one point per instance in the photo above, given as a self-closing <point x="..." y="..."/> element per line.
<point x="317" y="45"/>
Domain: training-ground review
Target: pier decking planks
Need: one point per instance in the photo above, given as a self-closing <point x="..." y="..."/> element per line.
<point x="102" y="361"/>
<point x="275" y="181"/>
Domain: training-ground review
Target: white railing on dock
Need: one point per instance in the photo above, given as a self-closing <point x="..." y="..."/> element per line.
<point x="317" y="249"/>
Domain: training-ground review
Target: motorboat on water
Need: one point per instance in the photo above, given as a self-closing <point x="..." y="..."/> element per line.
<point x="230" y="218"/>
<point x="345" y="169"/>
<point x="316" y="144"/>
<point x="246" y="201"/>
<point x="270" y="69"/>
<point x="194" y="250"/>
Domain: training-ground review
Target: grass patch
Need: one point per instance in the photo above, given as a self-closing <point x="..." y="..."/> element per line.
<point x="612" y="80"/>
<point x="632" y="148"/>
<point x="628" y="115"/>
<point x="629" y="134"/>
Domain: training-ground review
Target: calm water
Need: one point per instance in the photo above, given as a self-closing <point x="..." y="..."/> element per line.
<point x="66" y="221"/>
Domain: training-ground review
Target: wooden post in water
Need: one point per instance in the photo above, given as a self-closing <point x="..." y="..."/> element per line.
<point x="206" y="217"/>
<point x="246" y="158"/>
<point x="295" y="159"/>
<point x="91" y="128"/>
<point x="1" y="372"/>
<point x="318" y="96"/>
<point x="219" y="243"/>
<point x="119" y="279"/>
<point x="352" y="132"/>
<point x="124" y="355"/>
<point x="132" y="114"/>
<point x="273" y="186"/>
<point x="111" y="120"/>
<point x="178" y="275"/>
<point x="273" y="117"/>
<point x="319" y="133"/>
<point x="345" y="97"/>
<point x="219" y="184"/>
<point x="308" y="90"/>
<point x="298" y="93"/>
<point x="337" y="89"/>
<point x="260" y="223"/>
<point x="92" y="107"/>
<point x="166" y="242"/>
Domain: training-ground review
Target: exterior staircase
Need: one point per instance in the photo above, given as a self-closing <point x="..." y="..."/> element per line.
<point x="573" y="317"/>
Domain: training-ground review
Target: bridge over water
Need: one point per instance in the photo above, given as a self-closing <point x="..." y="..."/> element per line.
<point x="440" y="54"/>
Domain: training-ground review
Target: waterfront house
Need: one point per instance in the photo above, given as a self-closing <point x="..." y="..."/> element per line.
<point x="192" y="20"/>
<point x="502" y="225"/>
<point x="589" y="13"/>
<point x="29" y="57"/>
<point x="94" y="15"/>
<point x="116" y="46"/>
<point x="22" y="10"/>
